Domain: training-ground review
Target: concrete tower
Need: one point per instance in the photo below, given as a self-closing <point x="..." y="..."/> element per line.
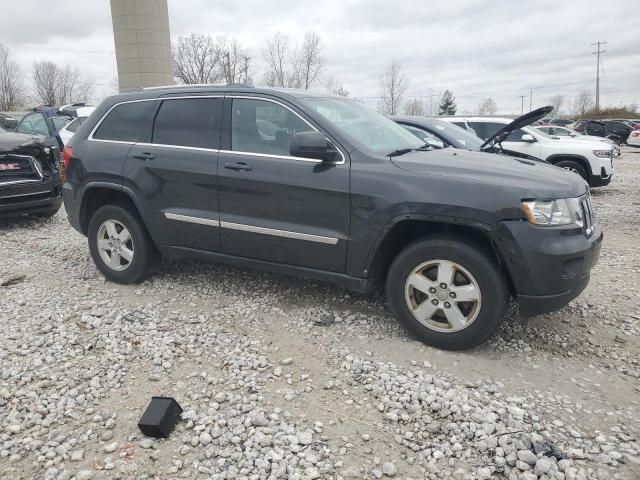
<point x="143" y="43"/>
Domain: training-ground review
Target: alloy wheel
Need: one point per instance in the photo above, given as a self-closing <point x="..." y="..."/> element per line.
<point x="443" y="296"/>
<point x="115" y="245"/>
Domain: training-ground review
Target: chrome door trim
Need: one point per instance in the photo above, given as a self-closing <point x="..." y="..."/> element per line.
<point x="189" y="219"/>
<point x="178" y="147"/>
<point x="268" y="155"/>
<point x="279" y="233"/>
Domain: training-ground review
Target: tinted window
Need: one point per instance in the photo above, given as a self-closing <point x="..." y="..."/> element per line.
<point x="60" y="122"/>
<point x="73" y="126"/>
<point x="128" y="122"/>
<point x="259" y="126"/>
<point x="490" y="129"/>
<point x="515" y="136"/>
<point x="425" y="136"/>
<point x="193" y="122"/>
<point x="34" y="124"/>
<point x="596" y="128"/>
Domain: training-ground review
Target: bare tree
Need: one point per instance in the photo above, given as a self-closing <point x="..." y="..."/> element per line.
<point x="11" y="81"/>
<point x="487" y="107"/>
<point x="414" y="107"/>
<point x="45" y="79"/>
<point x="276" y="56"/>
<point x="196" y="59"/>
<point x="556" y="102"/>
<point x="299" y="67"/>
<point x="393" y="85"/>
<point x="309" y="62"/>
<point x="71" y="87"/>
<point x="58" y="86"/>
<point x="234" y="60"/>
<point x="332" y="85"/>
<point x="582" y="103"/>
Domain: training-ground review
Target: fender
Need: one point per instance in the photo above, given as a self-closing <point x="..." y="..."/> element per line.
<point x="422" y="217"/>
<point x="551" y="159"/>
<point x="81" y="195"/>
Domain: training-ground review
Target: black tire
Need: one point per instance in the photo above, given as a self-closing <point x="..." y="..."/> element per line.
<point x="472" y="258"/>
<point x="145" y="252"/>
<point x="574" y="167"/>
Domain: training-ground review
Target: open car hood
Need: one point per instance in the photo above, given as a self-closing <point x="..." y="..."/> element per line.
<point x="522" y="121"/>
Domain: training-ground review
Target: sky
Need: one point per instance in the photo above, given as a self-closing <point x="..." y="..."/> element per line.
<point x="504" y="49"/>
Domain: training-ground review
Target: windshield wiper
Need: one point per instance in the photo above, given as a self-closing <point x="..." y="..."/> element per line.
<point x="400" y="151"/>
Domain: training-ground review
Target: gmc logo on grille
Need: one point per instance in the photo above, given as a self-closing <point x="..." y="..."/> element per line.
<point x="9" y="166"/>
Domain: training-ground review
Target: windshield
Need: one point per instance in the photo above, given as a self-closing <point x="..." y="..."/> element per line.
<point x="363" y="125"/>
<point x="456" y="136"/>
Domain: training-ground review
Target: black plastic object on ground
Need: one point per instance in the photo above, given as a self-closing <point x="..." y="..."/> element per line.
<point x="160" y="417"/>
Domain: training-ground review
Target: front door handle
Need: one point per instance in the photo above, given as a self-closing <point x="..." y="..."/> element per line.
<point x="144" y="156"/>
<point x="238" y="166"/>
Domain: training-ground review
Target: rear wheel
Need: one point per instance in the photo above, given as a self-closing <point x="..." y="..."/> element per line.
<point x="120" y="245"/>
<point x="448" y="293"/>
<point x="574" y="167"/>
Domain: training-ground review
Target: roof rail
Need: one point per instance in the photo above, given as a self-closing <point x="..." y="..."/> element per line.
<point x="191" y="85"/>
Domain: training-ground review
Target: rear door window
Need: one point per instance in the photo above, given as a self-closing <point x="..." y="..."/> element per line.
<point x="128" y="122"/>
<point x="189" y="122"/>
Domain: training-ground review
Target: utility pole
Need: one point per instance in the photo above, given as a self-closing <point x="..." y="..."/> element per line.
<point x="598" y="52"/>
<point x="522" y="97"/>
<point x="531" y="99"/>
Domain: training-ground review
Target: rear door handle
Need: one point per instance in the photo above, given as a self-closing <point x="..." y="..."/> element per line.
<point x="238" y="166"/>
<point x="144" y="156"/>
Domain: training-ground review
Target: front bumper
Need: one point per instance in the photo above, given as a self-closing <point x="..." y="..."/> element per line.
<point x="29" y="197"/>
<point x="548" y="266"/>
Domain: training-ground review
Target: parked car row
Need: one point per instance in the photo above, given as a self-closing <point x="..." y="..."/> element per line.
<point x="592" y="159"/>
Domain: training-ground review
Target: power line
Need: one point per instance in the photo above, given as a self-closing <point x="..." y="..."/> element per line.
<point x="598" y="52"/>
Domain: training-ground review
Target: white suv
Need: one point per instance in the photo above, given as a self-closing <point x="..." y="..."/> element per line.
<point x="592" y="160"/>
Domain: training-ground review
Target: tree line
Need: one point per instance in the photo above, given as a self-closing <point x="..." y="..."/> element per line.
<point x="199" y="58"/>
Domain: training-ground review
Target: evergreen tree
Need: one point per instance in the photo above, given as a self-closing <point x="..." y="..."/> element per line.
<point x="447" y="104"/>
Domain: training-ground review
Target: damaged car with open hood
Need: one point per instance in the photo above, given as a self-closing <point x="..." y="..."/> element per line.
<point x="30" y="182"/>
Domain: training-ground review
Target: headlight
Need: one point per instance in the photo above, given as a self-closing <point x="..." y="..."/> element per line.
<point x="562" y="211"/>
<point x="602" y="153"/>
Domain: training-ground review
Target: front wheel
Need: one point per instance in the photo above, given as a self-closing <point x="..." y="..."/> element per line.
<point x="448" y="293"/>
<point x="574" y="167"/>
<point x="120" y="245"/>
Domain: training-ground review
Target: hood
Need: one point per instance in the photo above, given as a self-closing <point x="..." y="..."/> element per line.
<point x="523" y="121"/>
<point x="530" y="179"/>
<point x="10" y="141"/>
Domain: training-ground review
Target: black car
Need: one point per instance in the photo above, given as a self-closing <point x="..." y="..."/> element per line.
<point x="7" y="122"/>
<point x="441" y="134"/>
<point x="326" y="188"/>
<point x="29" y="176"/>
<point x="598" y="129"/>
<point x="46" y="123"/>
<point x="618" y="128"/>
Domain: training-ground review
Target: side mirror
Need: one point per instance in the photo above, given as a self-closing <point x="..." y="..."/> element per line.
<point x="528" y="138"/>
<point x="312" y="145"/>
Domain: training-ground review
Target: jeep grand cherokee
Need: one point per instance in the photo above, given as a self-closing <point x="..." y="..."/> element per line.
<point x="324" y="187"/>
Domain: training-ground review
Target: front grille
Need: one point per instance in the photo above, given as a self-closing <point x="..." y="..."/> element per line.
<point x="18" y="168"/>
<point x="587" y="213"/>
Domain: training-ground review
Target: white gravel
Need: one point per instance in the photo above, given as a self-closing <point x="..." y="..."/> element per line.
<point x="283" y="378"/>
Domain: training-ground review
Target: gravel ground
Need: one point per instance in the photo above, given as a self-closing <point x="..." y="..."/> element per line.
<point x="285" y="378"/>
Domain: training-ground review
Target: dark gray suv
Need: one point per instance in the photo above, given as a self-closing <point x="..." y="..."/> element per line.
<point x="326" y="188"/>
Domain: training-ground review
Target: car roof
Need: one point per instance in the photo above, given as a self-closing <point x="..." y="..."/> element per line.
<point x="478" y="119"/>
<point x="181" y="90"/>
